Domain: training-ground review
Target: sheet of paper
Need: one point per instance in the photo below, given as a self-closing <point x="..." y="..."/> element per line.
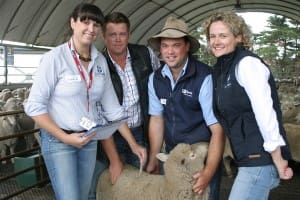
<point x="105" y="131"/>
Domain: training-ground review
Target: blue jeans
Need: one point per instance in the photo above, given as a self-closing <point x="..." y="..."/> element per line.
<point x="99" y="168"/>
<point x="125" y="153"/>
<point x="70" y="169"/>
<point x="254" y="183"/>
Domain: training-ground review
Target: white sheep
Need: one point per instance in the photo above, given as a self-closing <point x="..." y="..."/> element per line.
<point x="182" y="163"/>
<point x="9" y="125"/>
<point x="227" y="158"/>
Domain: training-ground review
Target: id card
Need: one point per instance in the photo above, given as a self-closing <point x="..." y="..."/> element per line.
<point x="87" y="123"/>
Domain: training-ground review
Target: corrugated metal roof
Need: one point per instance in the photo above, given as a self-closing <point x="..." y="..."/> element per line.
<point x="43" y="22"/>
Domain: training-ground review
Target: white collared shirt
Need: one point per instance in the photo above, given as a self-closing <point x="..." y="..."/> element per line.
<point x="253" y="75"/>
<point x="131" y="97"/>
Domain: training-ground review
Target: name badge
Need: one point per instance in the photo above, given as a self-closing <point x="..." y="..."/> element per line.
<point x="163" y="101"/>
<point x="72" y="78"/>
<point x="87" y="123"/>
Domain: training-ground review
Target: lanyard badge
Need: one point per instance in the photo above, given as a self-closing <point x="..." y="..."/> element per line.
<point x="79" y="67"/>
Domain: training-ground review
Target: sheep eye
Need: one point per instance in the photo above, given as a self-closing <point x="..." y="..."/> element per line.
<point x="192" y="156"/>
<point x="182" y="161"/>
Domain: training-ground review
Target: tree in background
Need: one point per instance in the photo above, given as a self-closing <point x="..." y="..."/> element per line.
<point x="279" y="46"/>
<point x="203" y="53"/>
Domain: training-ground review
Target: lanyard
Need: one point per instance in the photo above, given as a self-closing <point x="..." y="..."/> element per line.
<point x="79" y="67"/>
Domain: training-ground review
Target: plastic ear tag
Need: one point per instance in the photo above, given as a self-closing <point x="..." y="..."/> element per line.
<point x="87" y="123"/>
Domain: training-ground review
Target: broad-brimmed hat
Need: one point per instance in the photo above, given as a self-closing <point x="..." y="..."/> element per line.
<point x="174" y="28"/>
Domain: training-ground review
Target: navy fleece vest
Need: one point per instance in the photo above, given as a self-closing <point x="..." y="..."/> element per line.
<point x="183" y="117"/>
<point x="234" y="111"/>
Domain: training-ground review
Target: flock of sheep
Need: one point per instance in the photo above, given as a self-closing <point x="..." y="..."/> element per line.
<point x="179" y="166"/>
<point x="13" y="100"/>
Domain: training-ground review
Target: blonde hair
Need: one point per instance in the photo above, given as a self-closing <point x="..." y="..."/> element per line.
<point x="235" y="23"/>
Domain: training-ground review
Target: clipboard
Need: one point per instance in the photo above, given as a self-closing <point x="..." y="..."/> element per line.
<point x="106" y="130"/>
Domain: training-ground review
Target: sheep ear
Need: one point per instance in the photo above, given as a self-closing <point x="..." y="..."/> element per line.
<point x="201" y="148"/>
<point x="162" y="157"/>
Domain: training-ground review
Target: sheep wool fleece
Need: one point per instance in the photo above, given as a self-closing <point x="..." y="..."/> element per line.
<point x="182" y="163"/>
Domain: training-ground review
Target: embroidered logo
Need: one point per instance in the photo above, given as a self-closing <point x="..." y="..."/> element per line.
<point x="187" y="93"/>
<point x="228" y="82"/>
<point x="99" y="71"/>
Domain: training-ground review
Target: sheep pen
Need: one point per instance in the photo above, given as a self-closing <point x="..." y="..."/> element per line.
<point x="183" y="162"/>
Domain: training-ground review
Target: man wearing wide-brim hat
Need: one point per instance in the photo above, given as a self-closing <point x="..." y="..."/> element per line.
<point x="180" y="103"/>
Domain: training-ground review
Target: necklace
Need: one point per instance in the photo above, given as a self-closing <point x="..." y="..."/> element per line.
<point x="88" y="59"/>
<point x="84" y="59"/>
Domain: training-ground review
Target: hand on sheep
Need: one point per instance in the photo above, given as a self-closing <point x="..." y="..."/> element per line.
<point x="153" y="166"/>
<point x="140" y="152"/>
<point x="115" y="170"/>
<point x="202" y="181"/>
<point x="284" y="171"/>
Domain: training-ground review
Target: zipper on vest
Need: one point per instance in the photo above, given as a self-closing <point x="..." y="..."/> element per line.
<point x="219" y="85"/>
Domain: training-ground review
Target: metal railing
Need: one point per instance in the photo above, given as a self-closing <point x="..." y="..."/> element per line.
<point x="39" y="166"/>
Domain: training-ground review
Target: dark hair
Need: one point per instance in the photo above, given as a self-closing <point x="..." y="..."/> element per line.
<point x="116" y="17"/>
<point x="85" y="11"/>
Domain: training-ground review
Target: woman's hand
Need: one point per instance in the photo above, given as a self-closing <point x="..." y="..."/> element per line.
<point x="77" y="139"/>
<point x="284" y="171"/>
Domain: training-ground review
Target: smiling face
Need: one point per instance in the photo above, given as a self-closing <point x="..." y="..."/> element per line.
<point x="221" y="39"/>
<point x="85" y="32"/>
<point x="174" y="51"/>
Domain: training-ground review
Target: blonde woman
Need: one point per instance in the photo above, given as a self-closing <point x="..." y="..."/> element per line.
<point x="246" y="103"/>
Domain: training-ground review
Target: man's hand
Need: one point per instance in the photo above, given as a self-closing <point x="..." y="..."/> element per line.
<point x="115" y="170"/>
<point x="140" y="152"/>
<point x="153" y="166"/>
<point x="202" y="181"/>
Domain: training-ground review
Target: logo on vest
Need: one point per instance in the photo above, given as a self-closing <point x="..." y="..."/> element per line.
<point x="228" y="82"/>
<point x="185" y="92"/>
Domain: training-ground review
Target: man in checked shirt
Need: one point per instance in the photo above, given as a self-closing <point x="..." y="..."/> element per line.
<point x="130" y="66"/>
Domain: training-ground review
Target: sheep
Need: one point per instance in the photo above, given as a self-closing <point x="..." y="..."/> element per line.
<point x="9" y="125"/>
<point x="227" y="157"/>
<point x="5" y="95"/>
<point x="293" y="136"/>
<point x="182" y="163"/>
<point x="292" y="115"/>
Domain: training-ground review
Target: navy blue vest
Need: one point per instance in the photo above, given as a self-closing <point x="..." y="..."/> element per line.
<point x="234" y="111"/>
<point x="183" y="117"/>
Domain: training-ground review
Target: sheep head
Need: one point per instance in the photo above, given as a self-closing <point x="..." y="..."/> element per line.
<point x="184" y="160"/>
